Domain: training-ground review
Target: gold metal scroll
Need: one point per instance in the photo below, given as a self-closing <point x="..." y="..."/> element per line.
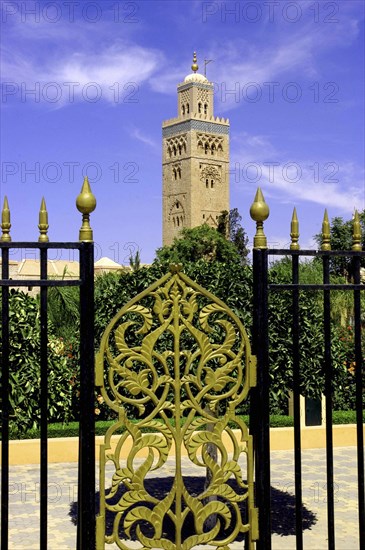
<point x="176" y="360"/>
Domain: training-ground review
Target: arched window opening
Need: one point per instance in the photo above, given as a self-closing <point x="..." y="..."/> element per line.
<point x="179" y="173"/>
<point x="220" y="148"/>
<point x="205" y="108"/>
<point x="203" y="216"/>
<point x="213" y="149"/>
<point x="179" y="147"/>
<point x="187" y="108"/>
<point x="199" y="107"/>
<point x="207" y="183"/>
<point x="169" y="151"/>
<point x="206" y="147"/>
<point x="174" y="149"/>
<point x="178" y="221"/>
<point x="211" y="184"/>
<point x="177" y="204"/>
<point x="183" y="110"/>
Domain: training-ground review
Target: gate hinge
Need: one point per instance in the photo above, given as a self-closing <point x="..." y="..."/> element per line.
<point x="253" y="365"/>
<point x="253" y="518"/>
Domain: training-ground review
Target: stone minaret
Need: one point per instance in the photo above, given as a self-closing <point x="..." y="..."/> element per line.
<point x="195" y="159"/>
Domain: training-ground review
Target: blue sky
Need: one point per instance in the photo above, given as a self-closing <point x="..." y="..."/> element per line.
<point x="86" y="86"/>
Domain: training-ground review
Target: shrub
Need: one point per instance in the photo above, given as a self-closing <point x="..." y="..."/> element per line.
<point x="24" y="367"/>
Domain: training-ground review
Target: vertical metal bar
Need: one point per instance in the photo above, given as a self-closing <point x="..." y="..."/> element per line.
<point x="5" y="404"/>
<point x="359" y="362"/>
<point x="328" y="394"/>
<point x="259" y="402"/>
<point x="296" y="399"/>
<point x="86" y="496"/>
<point x="44" y="404"/>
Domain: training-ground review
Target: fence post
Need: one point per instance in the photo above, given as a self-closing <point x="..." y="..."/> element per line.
<point x="259" y="401"/>
<point x="86" y="495"/>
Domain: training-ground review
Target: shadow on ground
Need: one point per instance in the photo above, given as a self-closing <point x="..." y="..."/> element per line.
<point x="283" y="510"/>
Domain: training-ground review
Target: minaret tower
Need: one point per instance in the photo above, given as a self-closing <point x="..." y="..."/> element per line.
<point x="195" y="159"/>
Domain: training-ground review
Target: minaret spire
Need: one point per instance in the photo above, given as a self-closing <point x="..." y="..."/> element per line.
<point x="194" y="66"/>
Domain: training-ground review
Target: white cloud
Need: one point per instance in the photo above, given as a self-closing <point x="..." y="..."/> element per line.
<point x="136" y="133"/>
<point x="114" y="71"/>
<point x="340" y="186"/>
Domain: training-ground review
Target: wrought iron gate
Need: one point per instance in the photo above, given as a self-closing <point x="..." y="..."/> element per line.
<point x="184" y="379"/>
<point x="260" y="406"/>
<point x="86" y="480"/>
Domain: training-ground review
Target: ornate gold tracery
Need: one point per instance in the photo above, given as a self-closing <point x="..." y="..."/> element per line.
<point x="183" y="379"/>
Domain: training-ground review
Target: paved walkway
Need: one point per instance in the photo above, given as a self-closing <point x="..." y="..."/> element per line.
<point x="24" y="502"/>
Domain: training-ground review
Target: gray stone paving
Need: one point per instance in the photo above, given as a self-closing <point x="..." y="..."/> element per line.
<point x="24" y="502"/>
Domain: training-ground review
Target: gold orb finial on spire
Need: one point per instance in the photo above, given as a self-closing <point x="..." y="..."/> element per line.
<point x="86" y="203"/>
<point x="194" y="66"/>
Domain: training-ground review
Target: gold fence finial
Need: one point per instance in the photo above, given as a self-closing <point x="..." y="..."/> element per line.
<point x="294" y="231"/>
<point x="43" y="223"/>
<point x="86" y="203"/>
<point x="326" y="232"/>
<point x="356" y="233"/>
<point x="259" y="212"/>
<point x="5" y="222"/>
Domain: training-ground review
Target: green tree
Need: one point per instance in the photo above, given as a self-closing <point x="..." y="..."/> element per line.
<point x="199" y="243"/>
<point x="229" y="225"/>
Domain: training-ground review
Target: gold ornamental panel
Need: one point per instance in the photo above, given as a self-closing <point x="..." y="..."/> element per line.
<point x="175" y="364"/>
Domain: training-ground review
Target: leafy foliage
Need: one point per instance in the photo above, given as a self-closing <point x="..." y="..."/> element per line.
<point x="24" y="366"/>
<point x="229" y="225"/>
<point x="230" y="282"/>
<point x="199" y="243"/>
<point x="345" y="390"/>
<point x="64" y="310"/>
<point x="311" y="339"/>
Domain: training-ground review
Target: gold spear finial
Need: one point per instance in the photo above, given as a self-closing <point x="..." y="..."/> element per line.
<point x="326" y="232"/>
<point x="43" y="223"/>
<point x="194" y="66"/>
<point x="356" y="233"/>
<point x="259" y="212"/>
<point x="294" y="231"/>
<point x="86" y="203"/>
<point x="5" y="222"/>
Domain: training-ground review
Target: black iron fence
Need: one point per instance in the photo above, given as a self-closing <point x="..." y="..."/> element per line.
<point x="86" y="471"/>
<point x="260" y="407"/>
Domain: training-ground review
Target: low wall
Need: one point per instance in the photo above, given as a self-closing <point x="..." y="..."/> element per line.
<point x="65" y="449"/>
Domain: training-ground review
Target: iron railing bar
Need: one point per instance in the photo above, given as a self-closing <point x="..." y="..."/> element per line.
<point x="296" y="398"/>
<point x="5" y="405"/>
<point x="359" y="366"/>
<point x="86" y="480"/>
<point x="328" y="398"/>
<point x="328" y="286"/>
<point x="318" y="253"/>
<point x="25" y="244"/>
<point x="43" y="405"/>
<point x="260" y="407"/>
<point x="39" y="282"/>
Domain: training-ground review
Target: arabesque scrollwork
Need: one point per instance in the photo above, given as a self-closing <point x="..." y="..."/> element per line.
<point x="175" y="364"/>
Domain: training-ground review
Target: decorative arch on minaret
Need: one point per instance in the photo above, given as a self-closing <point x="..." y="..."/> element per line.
<point x="177" y="214"/>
